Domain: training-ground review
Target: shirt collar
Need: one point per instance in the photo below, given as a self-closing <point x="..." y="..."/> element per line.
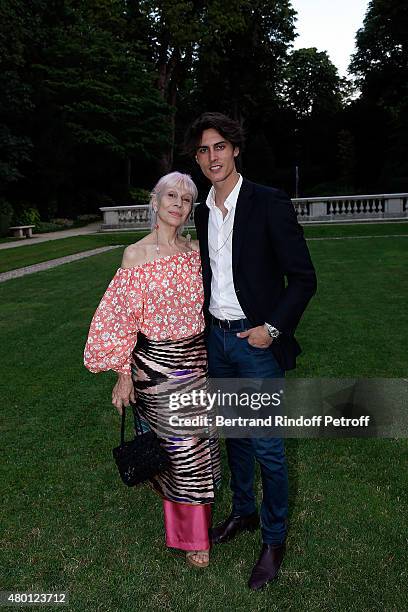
<point x="231" y="199"/>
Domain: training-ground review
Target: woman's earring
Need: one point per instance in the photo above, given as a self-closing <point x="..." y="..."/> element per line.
<point x="156" y="227"/>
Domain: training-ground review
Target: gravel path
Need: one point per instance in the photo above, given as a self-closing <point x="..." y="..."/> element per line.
<point x="53" y="263"/>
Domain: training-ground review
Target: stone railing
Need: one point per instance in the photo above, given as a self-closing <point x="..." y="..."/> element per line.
<point x="122" y="218"/>
<point x="309" y="210"/>
<point x="344" y="208"/>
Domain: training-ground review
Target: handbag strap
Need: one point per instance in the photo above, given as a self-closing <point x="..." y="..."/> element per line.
<point x="123" y="423"/>
<point x="122" y="427"/>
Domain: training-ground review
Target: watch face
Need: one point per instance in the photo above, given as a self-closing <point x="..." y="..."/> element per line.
<point x="273" y="332"/>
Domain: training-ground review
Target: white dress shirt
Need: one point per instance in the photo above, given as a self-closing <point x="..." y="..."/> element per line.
<point x="223" y="302"/>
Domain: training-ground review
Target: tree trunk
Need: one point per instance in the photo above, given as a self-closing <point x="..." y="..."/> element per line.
<point x="167" y="85"/>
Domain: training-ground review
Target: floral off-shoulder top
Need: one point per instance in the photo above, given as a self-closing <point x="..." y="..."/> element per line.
<point x="163" y="299"/>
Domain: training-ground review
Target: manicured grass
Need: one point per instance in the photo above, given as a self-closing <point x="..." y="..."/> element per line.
<point x="356" y="229"/>
<point x="69" y="522"/>
<point x="18" y="257"/>
<point x="357" y="323"/>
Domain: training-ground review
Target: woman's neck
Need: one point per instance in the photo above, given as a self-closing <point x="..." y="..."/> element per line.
<point x="167" y="236"/>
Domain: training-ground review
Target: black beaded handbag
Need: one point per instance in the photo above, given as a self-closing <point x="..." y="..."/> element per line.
<point x="141" y="458"/>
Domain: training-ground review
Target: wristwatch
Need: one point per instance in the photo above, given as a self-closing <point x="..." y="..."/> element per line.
<point x="272" y="331"/>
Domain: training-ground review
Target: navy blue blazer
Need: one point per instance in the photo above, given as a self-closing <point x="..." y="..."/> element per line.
<point x="273" y="274"/>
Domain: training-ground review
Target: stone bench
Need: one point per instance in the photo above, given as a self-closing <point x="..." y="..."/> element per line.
<point x="22" y="230"/>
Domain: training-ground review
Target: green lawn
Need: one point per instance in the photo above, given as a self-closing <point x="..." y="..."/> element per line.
<point x="70" y="524"/>
<point x="356" y="229"/>
<point x="18" y="257"/>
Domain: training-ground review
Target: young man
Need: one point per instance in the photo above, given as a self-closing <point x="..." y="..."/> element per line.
<point x="250" y="242"/>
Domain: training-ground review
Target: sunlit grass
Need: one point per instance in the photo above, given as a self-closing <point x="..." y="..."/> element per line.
<point x="69" y="523"/>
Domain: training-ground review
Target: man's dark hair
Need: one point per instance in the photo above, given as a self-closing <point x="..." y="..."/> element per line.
<point x="229" y="129"/>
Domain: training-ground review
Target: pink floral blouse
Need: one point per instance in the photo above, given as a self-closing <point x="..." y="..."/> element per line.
<point x="163" y="299"/>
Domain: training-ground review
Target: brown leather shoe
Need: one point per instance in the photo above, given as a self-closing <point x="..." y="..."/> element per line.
<point x="232" y="526"/>
<point x="267" y="566"/>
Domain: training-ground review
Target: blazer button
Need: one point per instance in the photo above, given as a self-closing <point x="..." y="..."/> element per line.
<point x="236" y="290"/>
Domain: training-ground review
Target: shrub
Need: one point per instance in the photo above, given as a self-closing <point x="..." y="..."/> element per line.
<point x="139" y="196"/>
<point x="62" y="222"/>
<point x="24" y="214"/>
<point x="89" y="218"/>
<point x="105" y="200"/>
<point x="6" y="215"/>
<point x="330" y="189"/>
<point x="46" y="226"/>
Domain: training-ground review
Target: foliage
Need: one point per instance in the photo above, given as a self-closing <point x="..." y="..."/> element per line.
<point x="139" y="196"/>
<point x="47" y="226"/>
<point x="257" y="38"/>
<point x="197" y="46"/>
<point x="24" y="214"/>
<point x="312" y="84"/>
<point x="88" y="218"/>
<point x="15" y="98"/>
<point x="6" y="214"/>
<point x="380" y="63"/>
<point x="380" y="115"/>
<point x="95" y="109"/>
<point x="96" y="97"/>
<point x="63" y="222"/>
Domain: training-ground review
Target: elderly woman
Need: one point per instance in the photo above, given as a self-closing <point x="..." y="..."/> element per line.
<point x="149" y="329"/>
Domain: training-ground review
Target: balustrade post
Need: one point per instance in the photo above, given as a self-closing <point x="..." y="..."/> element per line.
<point x="318" y="210"/>
<point x="393" y="207"/>
<point x="111" y="217"/>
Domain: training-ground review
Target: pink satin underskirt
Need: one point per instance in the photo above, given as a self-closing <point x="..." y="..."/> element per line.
<point x="187" y="525"/>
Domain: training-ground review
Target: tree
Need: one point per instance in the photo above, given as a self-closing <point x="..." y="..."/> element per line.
<point x="95" y="104"/>
<point x="315" y="93"/>
<point x="241" y="68"/>
<point x="15" y="99"/>
<point x="197" y="46"/>
<point x="380" y="66"/>
<point x="312" y="86"/>
<point x="168" y="30"/>
<point x="380" y="63"/>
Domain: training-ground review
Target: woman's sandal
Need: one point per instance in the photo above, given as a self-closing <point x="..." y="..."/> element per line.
<point x="191" y="558"/>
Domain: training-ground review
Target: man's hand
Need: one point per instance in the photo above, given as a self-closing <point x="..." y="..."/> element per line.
<point x="257" y="336"/>
<point x="123" y="392"/>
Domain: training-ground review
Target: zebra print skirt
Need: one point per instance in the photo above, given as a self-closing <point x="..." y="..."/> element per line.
<point x="162" y="368"/>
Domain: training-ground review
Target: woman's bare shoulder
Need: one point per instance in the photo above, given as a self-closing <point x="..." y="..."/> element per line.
<point x="135" y="254"/>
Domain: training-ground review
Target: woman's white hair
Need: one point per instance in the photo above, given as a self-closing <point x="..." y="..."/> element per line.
<point x="176" y="180"/>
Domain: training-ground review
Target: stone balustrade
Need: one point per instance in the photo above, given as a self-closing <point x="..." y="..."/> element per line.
<point x="122" y="218"/>
<point x="344" y="208"/>
<point x="309" y="210"/>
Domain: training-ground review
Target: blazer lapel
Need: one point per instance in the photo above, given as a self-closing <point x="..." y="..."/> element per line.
<point x="243" y="208"/>
<point x="201" y="218"/>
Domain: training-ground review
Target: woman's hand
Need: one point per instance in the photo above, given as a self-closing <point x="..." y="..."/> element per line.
<point x="123" y="392"/>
